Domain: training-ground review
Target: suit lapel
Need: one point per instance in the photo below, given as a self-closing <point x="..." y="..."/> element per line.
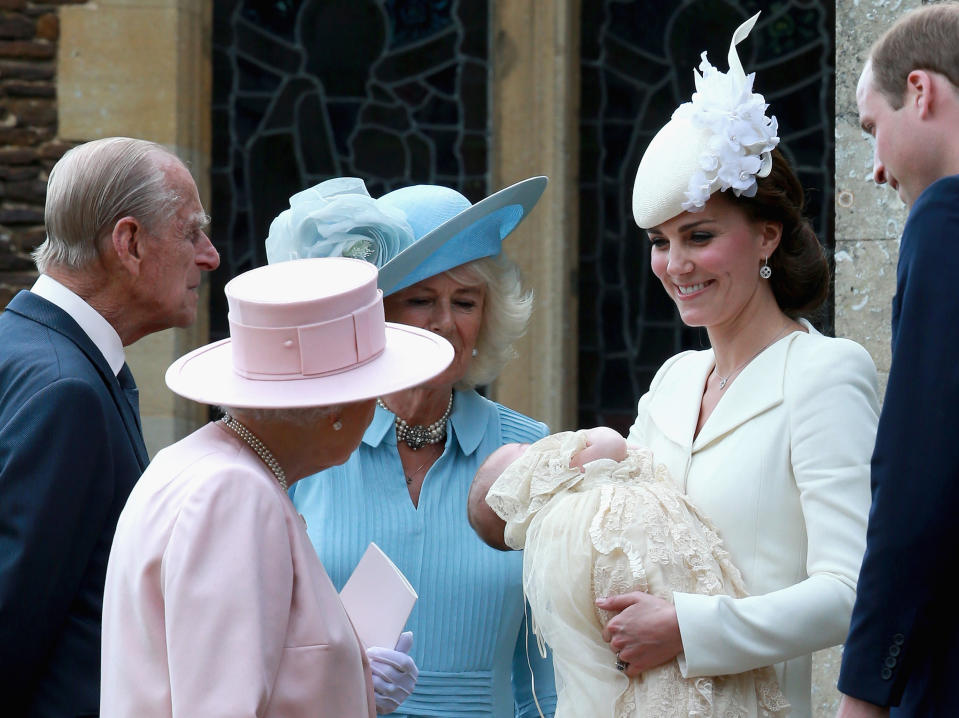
<point x="38" y="309"/>
<point x="758" y="388"/>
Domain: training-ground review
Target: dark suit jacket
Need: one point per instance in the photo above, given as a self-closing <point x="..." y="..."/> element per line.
<point x="70" y="452"/>
<point x="903" y="644"/>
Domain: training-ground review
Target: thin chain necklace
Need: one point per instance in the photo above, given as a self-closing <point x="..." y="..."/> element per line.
<point x="418" y="436"/>
<point x="258" y="446"/>
<point x="412" y="475"/>
<point x="723" y="380"/>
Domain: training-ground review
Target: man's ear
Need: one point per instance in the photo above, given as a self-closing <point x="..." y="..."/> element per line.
<point x="128" y="243"/>
<point x="921" y="93"/>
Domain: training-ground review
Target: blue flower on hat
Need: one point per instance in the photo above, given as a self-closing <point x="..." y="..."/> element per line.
<point x="338" y="218"/>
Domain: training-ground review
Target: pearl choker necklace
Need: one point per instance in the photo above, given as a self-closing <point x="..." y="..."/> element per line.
<point x="258" y="446"/>
<point x="418" y="436"/>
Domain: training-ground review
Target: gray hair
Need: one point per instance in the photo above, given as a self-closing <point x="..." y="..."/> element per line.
<point x="505" y="315"/>
<point x="92" y="187"/>
<point x="300" y="416"/>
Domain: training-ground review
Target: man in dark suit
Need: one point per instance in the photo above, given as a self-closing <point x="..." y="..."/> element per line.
<point x="902" y="653"/>
<point x="123" y="257"/>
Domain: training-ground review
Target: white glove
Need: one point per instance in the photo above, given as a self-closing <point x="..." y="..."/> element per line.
<point x="394" y="673"/>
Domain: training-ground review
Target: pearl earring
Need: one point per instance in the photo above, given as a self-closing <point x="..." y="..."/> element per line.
<point x="475" y="351"/>
<point x="337" y="425"/>
<point x="765" y="271"/>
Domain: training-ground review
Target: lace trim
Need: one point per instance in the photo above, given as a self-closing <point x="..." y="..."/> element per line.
<point x="647" y="536"/>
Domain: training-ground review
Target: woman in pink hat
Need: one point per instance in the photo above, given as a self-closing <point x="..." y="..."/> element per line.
<point x="215" y="602"/>
<point x="405" y="487"/>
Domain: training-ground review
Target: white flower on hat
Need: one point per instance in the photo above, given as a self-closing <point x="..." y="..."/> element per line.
<point x="338" y="218"/>
<point x="742" y="137"/>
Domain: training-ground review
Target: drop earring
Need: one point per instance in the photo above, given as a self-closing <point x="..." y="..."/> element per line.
<point x="765" y="271"/>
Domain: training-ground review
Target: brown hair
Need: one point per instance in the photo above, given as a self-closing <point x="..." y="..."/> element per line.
<point x="924" y="39"/>
<point x="800" y="278"/>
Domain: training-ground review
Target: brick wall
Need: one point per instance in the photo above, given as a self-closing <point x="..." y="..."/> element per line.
<point x="29" y="146"/>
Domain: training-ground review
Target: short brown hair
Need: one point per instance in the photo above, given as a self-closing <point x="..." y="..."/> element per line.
<point x="800" y="278"/>
<point x="926" y="38"/>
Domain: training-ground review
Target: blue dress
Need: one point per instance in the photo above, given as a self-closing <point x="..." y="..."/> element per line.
<point x="475" y="655"/>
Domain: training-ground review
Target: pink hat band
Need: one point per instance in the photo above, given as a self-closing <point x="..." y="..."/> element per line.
<point x="326" y="326"/>
<point x="310" y="332"/>
<point x="312" y="350"/>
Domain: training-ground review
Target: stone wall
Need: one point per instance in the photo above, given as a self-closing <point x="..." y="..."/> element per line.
<point x="29" y="33"/>
<point x="869" y="218"/>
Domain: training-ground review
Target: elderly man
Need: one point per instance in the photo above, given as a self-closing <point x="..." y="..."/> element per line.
<point x="902" y="646"/>
<point x="124" y="256"/>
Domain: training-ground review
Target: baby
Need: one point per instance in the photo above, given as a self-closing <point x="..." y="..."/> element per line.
<point x="596" y="519"/>
<point x="601" y="443"/>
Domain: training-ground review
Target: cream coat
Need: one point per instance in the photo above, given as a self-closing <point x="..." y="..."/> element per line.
<point x="781" y="467"/>
<point x="216" y="603"/>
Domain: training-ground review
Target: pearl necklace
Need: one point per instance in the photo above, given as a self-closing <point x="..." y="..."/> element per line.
<point x="258" y="446"/>
<point x="418" y="436"/>
<point x="723" y="380"/>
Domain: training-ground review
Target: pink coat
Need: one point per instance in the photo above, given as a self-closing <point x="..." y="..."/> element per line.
<point x="216" y="603"/>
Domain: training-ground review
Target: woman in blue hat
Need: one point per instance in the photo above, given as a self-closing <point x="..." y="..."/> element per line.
<point x="406" y="486"/>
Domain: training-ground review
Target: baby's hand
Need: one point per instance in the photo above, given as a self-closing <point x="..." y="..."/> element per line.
<point x="601" y="443"/>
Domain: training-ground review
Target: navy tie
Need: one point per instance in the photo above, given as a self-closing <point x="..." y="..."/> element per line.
<point x="129" y="386"/>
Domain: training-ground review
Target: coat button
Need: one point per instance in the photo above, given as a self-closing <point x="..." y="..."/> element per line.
<point x="899" y="639"/>
<point x="890" y="662"/>
<point x="894" y="650"/>
<point x="886" y="674"/>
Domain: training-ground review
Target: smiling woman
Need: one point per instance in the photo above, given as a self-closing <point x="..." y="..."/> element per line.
<point x="770" y="431"/>
<point x="406" y="485"/>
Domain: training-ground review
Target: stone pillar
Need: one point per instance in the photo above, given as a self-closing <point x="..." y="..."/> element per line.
<point x="535" y="111"/>
<point x="869" y="218"/>
<point x="142" y="69"/>
<point x="869" y="221"/>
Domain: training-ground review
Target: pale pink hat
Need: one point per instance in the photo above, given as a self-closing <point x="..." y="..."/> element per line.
<point x="310" y="332"/>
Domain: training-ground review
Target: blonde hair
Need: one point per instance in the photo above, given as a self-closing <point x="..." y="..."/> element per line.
<point x="92" y="187"/>
<point x="505" y="316"/>
<point x="926" y="38"/>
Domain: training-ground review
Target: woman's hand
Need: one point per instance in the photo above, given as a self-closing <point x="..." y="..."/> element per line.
<point x="394" y="674"/>
<point x="644" y="633"/>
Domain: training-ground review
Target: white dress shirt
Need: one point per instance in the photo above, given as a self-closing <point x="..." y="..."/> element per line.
<point x="100" y="331"/>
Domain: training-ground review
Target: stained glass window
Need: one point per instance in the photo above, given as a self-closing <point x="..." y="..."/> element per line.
<point x="392" y="91"/>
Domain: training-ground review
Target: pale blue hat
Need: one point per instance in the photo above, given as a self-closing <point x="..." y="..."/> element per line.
<point x="410" y="234"/>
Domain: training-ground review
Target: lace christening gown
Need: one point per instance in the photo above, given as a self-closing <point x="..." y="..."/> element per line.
<point x="617" y="527"/>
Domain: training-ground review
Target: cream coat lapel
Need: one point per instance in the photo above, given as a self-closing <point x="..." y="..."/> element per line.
<point x="758" y="388"/>
<point x="674" y="405"/>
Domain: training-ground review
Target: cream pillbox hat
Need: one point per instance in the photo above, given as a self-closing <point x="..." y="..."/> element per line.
<point x="719" y="140"/>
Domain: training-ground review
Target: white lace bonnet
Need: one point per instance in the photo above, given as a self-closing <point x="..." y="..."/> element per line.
<point x="720" y="140"/>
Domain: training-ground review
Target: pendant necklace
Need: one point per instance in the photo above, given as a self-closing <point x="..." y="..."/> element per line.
<point x="412" y="475"/>
<point x="723" y="380"/>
